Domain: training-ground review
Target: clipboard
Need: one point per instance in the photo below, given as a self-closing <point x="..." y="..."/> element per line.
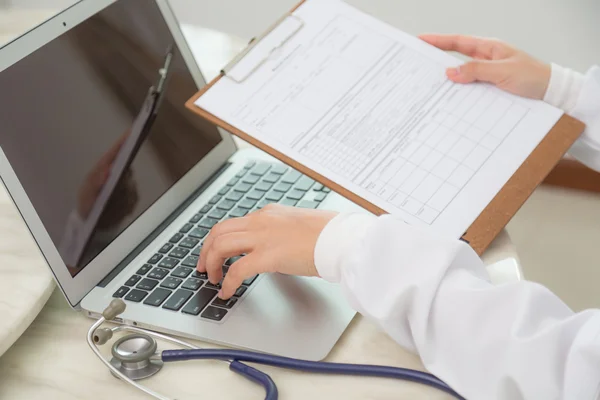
<point x="490" y="221"/>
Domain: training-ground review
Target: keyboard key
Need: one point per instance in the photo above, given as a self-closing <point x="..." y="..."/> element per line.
<point x="271" y="178"/>
<point x="176" y="238"/>
<point x="208" y="223"/>
<point x="238" y="212"/>
<point x="192" y="284"/>
<point x="307" y="204"/>
<point x="218" y="214"/>
<point x="249" y="281"/>
<point x="144" y="270"/>
<point x="189" y="242"/>
<point x="233" y="181"/>
<point x="158" y="273"/>
<point x="196" y="218"/>
<point x="318" y="187"/>
<point x="205" y="209"/>
<point x="305" y="183"/>
<point x="249" y="164"/>
<point x="251" y="179"/>
<point x="243" y="187"/>
<point x="199" y="233"/>
<point x="279" y="169"/>
<point x="186" y="228"/>
<point x="165" y="248"/>
<point x="171" y="283"/>
<point x="234" y="196"/>
<point x="182" y="272"/>
<point x="224" y="303"/>
<point x="179" y="252"/>
<point x="255" y="195"/>
<point x="215" y="200"/>
<point x="210" y="285"/>
<point x="196" y="251"/>
<point x="199" y="301"/>
<point x="136" y="295"/>
<point x="241" y="173"/>
<point x="226" y="205"/>
<point x="288" y="202"/>
<point x="260" y="169"/>
<point x="147" y="284"/>
<point x="247" y="204"/>
<point x="178" y="299"/>
<point x="121" y="292"/>
<point x="155" y="258"/>
<point x="224" y="190"/>
<point x="190" y="261"/>
<point x="168" y="262"/>
<point x="200" y="275"/>
<point x="240" y="291"/>
<point x="275" y="196"/>
<point x="133" y="280"/>
<point x="157" y="297"/>
<point x="264" y="203"/>
<point x="263" y="186"/>
<point x="283" y="187"/>
<point x="326" y="190"/>
<point x="214" y="313"/>
<point x="295" y="195"/>
<point x="291" y="177"/>
<point x="320" y="197"/>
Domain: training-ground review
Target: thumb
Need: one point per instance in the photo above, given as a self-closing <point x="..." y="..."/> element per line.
<point x="477" y="70"/>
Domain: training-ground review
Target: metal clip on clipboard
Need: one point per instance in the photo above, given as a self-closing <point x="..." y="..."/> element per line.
<point x="260" y="49"/>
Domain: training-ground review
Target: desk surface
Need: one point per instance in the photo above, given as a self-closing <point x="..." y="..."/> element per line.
<point x="51" y="360"/>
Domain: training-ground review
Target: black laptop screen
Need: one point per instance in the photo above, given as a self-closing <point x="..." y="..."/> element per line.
<point x="68" y="117"/>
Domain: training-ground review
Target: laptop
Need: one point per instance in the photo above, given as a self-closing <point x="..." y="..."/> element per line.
<point x="119" y="184"/>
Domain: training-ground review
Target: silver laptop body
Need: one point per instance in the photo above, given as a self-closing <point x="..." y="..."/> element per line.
<point x="119" y="184"/>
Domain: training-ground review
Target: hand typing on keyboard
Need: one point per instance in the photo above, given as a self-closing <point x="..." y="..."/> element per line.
<point x="275" y="239"/>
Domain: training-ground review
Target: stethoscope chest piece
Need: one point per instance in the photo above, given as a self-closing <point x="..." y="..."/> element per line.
<point x="132" y="355"/>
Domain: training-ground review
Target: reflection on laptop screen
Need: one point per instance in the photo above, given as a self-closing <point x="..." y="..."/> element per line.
<point x="68" y="113"/>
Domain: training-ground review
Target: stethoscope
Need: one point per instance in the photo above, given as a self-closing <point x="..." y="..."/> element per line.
<point x="135" y="357"/>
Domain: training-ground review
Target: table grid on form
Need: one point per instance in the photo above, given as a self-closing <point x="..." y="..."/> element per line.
<point x="450" y="148"/>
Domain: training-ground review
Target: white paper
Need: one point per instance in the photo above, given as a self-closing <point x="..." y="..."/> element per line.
<point x="370" y="108"/>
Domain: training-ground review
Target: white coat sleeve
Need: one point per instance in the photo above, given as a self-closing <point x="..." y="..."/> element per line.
<point x="579" y="96"/>
<point x="432" y="295"/>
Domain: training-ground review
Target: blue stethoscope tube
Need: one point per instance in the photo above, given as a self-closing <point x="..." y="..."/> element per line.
<point x="238" y="356"/>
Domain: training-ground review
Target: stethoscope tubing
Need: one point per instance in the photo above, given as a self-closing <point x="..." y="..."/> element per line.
<point x="308" y="366"/>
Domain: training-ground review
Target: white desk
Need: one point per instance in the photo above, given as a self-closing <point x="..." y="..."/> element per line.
<point x="51" y="360"/>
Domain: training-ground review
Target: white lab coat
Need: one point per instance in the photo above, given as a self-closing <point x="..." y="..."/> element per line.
<point x="433" y="296"/>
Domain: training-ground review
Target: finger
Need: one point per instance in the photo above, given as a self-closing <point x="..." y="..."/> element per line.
<point x="471" y="46"/>
<point x="224" y="247"/>
<point x="477" y="71"/>
<point x="241" y="270"/>
<point x="222" y="228"/>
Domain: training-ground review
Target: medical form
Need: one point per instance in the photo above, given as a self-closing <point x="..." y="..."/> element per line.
<point x="370" y="108"/>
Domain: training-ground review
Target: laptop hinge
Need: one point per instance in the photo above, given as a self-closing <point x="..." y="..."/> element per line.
<point x="146" y="242"/>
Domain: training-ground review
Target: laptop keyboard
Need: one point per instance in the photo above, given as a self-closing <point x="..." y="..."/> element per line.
<point x="169" y="279"/>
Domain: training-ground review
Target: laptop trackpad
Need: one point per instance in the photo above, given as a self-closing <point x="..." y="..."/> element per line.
<point x="306" y="310"/>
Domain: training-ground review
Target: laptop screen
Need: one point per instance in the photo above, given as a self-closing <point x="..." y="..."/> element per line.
<point x="90" y="147"/>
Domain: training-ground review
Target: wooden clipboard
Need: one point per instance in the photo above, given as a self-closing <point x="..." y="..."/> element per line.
<point x="498" y="212"/>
